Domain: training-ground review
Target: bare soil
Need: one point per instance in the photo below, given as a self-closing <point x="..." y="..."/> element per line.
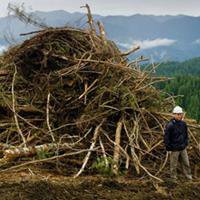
<point x="32" y="185"/>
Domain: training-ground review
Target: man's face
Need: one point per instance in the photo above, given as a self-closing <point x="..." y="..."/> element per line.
<point x="178" y="116"/>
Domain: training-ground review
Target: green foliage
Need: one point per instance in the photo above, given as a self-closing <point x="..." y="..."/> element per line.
<point x="100" y="166"/>
<point x="185" y="84"/>
<point x="43" y="154"/>
<point x="189" y="67"/>
<point x="188" y="87"/>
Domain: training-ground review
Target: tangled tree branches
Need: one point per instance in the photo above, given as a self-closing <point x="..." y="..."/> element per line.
<point x="72" y="94"/>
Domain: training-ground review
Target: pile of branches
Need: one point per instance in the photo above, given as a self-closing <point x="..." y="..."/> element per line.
<point x="71" y="95"/>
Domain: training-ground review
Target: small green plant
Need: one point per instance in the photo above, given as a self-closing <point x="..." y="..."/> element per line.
<point x="102" y="167"/>
<point x="43" y="154"/>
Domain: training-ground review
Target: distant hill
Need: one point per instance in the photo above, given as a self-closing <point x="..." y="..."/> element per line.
<point x="187" y="68"/>
<point x="160" y="37"/>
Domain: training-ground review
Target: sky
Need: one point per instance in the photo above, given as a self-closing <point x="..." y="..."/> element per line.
<point x="111" y="7"/>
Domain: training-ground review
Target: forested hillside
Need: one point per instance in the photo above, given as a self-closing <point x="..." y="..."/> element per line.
<point x="189" y="67"/>
<point x="185" y="82"/>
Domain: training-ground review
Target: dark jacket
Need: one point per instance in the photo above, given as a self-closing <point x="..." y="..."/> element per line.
<point x="176" y="135"/>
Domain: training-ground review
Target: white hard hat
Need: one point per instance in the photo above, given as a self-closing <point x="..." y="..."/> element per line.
<point x="177" y="110"/>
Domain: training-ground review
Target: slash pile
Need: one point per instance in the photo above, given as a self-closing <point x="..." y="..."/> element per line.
<point x="69" y="96"/>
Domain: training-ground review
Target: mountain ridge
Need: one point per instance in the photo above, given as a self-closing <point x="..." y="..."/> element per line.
<point x="177" y="37"/>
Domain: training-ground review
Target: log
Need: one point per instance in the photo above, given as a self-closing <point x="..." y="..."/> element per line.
<point x="116" y="155"/>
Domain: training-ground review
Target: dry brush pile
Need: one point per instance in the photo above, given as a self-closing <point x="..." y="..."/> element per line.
<point x="72" y="95"/>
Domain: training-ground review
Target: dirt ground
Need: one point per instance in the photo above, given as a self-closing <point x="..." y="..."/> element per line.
<point x="31" y="185"/>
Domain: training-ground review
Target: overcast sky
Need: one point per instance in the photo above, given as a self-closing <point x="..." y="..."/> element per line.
<point x="111" y="7"/>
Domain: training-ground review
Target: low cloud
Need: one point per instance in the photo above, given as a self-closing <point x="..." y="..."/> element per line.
<point x="2" y="48"/>
<point x="197" y="41"/>
<point x="148" y="44"/>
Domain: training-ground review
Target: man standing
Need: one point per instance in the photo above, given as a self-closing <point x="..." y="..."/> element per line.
<point x="176" y="141"/>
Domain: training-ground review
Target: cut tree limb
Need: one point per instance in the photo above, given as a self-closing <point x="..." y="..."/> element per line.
<point x="116" y="156"/>
<point x="94" y="139"/>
